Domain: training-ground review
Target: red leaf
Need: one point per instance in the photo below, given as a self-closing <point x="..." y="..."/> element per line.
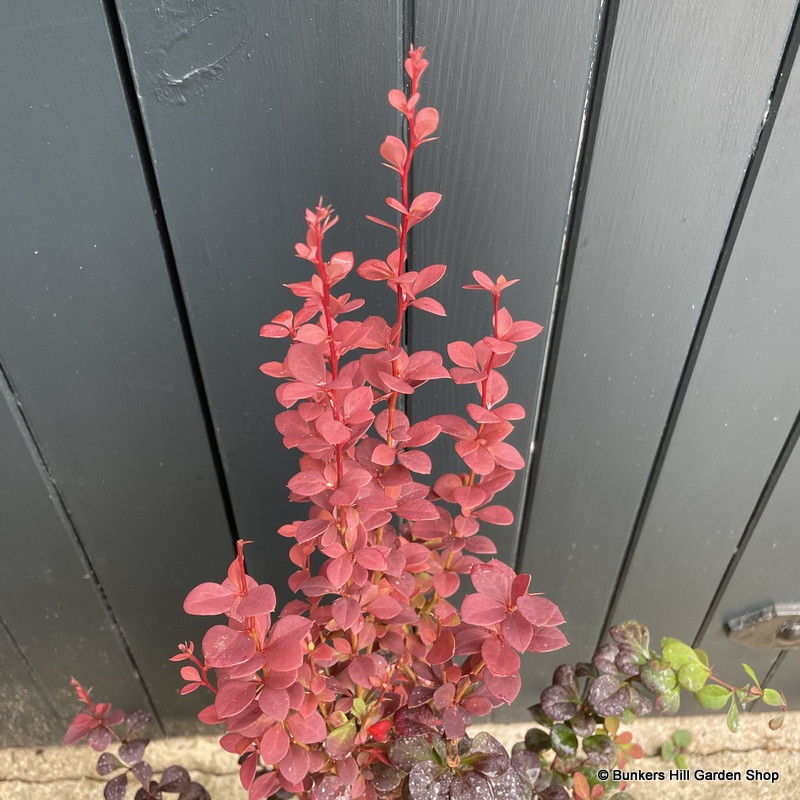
<point x="225" y="647"/>
<point x="363" y="668"/>
<point x="508" y="456"/>
<point x="428" y="277"/>
<point x="384" y="607"/>
<point x="265" y="785"/>
<point x="539" y="610"/>
<point x="338" y="571"/>
<point x="371" y="558"/>
<point x="289" y="393"/>
<point x="430" y="305"/>
<point x="469" y="496"/>
<point x="425" y="123"/>
<point x="383" y="455"/>
<point x="271" y="331"/>
<point x="395" y="153"/>
<point x="522" y="331"/>
<point x="478" y="609"/>
<point x="500" y="659"/>
<point x="274" y="703"/>
<point x="517" y="631"/>
<point x="454" y="426"/>
<point x="234" y="697"/>
<point x="423" y="205"/>
<point x="208" y="599"/>
<point x="416" y="461"/>
<point x="190" y="674"/>
<point x="463" y="354"/>
<point x="334" y="432"/>
<point x="307" y="730"/>
<point x="397" y="99"/>
<point x="443" y="648"/>
<point x="274" y="746"/>
<point x="446" y="583"/>
<point x="496" y="515"/>
<point x="416" y="510"/>
<point x="544" y="640"/>
<point x="260" y="600"/>
<point x="308" y="482"/>
<point x="346" y="611"/>
<point x="306" y="363"/>
<point x="373" y="269"/>
<point x="381" y="222"/>
<point x="422" y="433"/>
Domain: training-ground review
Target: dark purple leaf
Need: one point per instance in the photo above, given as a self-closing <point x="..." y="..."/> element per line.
<point x="174" y="779"/>
<point x="143" y="773"/>
<point x="565" y="676"/>
<point x="385" y="777"/>
<point x="559" y="703"/>
<point x="607" y="697"/>
<point x="632" y="635"/>
<point x="429" y="781"/>
<point x="107" y="763"/>
<point x="137" y="720"/>
<point x="132" y="751"/>
<point x="150" y="793"/>
<point x="603" y="659"/>
<point x="487" y="756"/>
<point x="415" y="721"/>
<point x="406" y="751"/>
<point x="195" y="791"/>
<point x="511" y="785"/>
<point x="527" y="763"/>
<point x="583" y="724"/>
<point x="115" y="788"/>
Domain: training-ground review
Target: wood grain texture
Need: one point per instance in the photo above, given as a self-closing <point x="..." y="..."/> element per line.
<point x="686" y="91"/>
<point x="509" y="79"/>
<point x="50" y="602"/>
<point x="89" y="334"/>
<point x="740" y="405"/>
<point x="242" y="143"/>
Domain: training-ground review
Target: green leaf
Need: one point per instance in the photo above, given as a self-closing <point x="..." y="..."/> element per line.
<point x="537" y="740"/>
<point x="677" y="653"/>
<point x="692" y="676"/>
<point x="733" y="717"/>
<point x="668" y="751"/>
<point x="713" y="697"/>
<point x="564" y="740"/>
<point x="772" y="698"/>
<point x="749" y="670"/>
<point x="681" y="762"/>
<point x="702" y="656"/>
<point x="359" y="707"/>
<point x="657" y="677"/>
<point x="600" y="749"/>
<point x="682" y="738"/>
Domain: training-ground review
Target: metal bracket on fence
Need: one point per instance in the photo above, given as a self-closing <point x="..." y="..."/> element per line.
<point x="776" y="626"/>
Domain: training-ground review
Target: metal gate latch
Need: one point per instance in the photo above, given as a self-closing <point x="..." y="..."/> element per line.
<point x="774" y="626"/>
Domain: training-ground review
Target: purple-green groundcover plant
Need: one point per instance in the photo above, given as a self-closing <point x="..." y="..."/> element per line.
<point x="363" y="686"/>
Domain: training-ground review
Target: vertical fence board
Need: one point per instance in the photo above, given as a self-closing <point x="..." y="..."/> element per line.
<point x="740" y="405"/>
<point x="49" y="601"/>
<point x="509" y="79"/>
<point x="89" y="333"/>
<point x="246" y="132"/>
<point x="683" y="102"/>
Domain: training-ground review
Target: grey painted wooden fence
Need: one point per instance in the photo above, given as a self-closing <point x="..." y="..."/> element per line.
<point x="636" y="163"/>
